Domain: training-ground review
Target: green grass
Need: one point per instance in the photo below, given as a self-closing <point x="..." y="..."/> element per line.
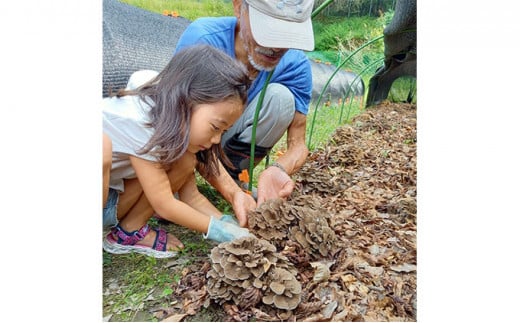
<point x="140" y="280"/>
<point x="189" y="9"/>
<point x="347" y="34"/>
<point x="404" y="89"/>
<point x="327" y="119"/>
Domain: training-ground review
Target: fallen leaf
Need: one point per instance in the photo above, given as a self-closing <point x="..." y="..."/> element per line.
<point x="322" y="271"/>
<point x="174" y="318"/>
<point x="406" y="268"/>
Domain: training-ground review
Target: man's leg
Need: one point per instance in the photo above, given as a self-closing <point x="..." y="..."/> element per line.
<point x="276" y="114"/>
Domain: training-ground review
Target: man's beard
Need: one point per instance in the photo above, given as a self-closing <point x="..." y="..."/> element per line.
<point x="255" y="65"/>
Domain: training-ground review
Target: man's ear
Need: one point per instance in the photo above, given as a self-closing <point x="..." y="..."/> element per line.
<point x="237" y="6"/>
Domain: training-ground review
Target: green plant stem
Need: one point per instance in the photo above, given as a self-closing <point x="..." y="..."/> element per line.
<point x="320" y="8"/>
<point x="330" y="78"/>
<point x="253" y="133"/>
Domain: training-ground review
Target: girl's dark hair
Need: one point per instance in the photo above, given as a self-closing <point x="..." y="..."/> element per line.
<point x="195" y="75"/>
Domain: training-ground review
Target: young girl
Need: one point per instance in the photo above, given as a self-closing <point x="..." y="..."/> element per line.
<point x="155" y="136"/>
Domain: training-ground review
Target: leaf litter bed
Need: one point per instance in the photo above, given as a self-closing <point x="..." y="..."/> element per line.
<point x="341" y="248"/>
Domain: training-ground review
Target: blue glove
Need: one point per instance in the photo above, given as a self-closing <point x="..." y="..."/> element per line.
<point x="229" y="219"/>
<point x="221" y="230"/>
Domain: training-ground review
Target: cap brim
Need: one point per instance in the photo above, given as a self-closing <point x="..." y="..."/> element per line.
<point x="277" y="33"/>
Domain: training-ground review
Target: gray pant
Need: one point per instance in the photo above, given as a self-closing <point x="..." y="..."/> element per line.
<point x="276" y="114"/>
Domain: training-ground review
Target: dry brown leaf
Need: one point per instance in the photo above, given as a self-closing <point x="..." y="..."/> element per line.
<point x="406" y="268"/>
<point x="175" y="318"/>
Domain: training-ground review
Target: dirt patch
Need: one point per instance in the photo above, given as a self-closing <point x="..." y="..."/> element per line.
<point x="365" y="179"/>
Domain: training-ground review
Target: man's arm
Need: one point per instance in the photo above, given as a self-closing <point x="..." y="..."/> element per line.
<point x="297" y="151"/>
<point x="275" y="182"/>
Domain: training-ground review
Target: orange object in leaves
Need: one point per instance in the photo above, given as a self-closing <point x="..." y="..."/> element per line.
<point x="244" y="178"/>
<point x="165" y="12"/>
<point x="175" y="14"/>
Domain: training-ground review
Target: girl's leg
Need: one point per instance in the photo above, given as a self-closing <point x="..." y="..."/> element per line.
<point x="134" y="211"/>
<point x="107" y="165"/>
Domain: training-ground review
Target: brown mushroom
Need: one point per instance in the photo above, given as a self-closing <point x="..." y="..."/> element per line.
<point x="300" y="220"/>
<point x="249" y="270"/>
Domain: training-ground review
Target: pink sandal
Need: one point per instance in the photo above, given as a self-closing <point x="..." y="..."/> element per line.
<point x="128" y="242"/>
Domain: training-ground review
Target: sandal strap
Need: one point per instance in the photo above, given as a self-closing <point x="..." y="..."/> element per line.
<point x="161" y="238"/>
<point x="129" y="238"/>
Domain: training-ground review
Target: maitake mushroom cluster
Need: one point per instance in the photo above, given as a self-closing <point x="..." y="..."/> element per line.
<point x="249" y="271"/>
<point x="299" y="220"/>
<point x="326" y="175"/>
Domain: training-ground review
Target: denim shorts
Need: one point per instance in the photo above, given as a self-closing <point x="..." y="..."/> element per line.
<point x="110" y="209"/>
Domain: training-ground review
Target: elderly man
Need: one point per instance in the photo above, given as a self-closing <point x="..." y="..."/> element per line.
<point x="264" y="35"/>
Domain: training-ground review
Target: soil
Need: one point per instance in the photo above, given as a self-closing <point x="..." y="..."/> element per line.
<point x="366" y="179"/>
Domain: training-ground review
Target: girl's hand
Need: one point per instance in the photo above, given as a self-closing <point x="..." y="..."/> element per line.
<point x="222" y="231"/>
<point x="229" y="219"/>
<point x="243" y="203"/>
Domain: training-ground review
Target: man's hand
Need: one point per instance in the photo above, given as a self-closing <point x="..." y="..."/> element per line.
<point x="243" y="203"/>
<point x="274" y="183"/>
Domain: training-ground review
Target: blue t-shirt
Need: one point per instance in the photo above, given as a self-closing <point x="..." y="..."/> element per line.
<point x="293" y="70"/>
